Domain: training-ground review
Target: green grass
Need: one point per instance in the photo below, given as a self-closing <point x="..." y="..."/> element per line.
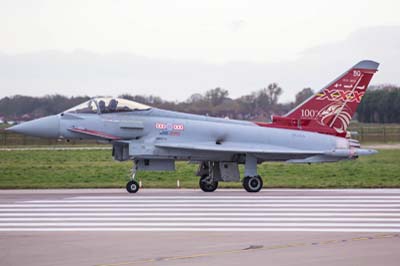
<point x="96" y="169"/>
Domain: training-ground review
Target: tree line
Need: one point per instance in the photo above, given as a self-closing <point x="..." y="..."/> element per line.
<point x="380" y="104"/>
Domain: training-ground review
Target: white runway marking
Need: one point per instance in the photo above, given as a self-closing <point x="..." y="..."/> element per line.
<point x="198" y="229"/>
<point x="215" y="219"/>
<point x="254" y="200"/>
<point x="165" y="204"/>
<point x="340" y="213"/>
<point x="135" y="197"/>
<point x="209" y="208"/>
<point x="204" y="214"/>
<point x="194" y="224"/>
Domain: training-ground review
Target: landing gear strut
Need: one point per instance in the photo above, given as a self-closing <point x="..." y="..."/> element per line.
<point x="208" y="184"/>
<point x="133" y="186"/>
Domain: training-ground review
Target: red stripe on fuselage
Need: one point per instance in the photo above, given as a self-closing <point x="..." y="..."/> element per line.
<point x="94" y="133"/>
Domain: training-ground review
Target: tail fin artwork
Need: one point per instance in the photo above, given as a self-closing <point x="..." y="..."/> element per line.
<point x="330" y="110"/>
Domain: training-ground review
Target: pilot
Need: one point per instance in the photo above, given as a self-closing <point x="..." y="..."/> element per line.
<point x="102" y="106"/>
<point x="112" y="106"/>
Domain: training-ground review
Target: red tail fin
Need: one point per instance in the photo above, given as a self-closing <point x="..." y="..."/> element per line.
<point x="331" y="109"/>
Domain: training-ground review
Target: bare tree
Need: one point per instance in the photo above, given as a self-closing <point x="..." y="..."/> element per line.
<point x="216" y="96"/>
<point x="274" y="91"/>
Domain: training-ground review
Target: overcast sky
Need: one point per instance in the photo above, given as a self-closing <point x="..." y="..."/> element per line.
<point x="176" y="48"/>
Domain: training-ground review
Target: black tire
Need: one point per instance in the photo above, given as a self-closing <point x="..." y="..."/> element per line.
<point x="245" y="182"/>
<point x="132" y="186"/>
<point x="252" y="183"/>
<point x="208" y="185"/>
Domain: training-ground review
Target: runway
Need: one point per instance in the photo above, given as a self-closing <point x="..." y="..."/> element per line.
<point x="174" y="227"/>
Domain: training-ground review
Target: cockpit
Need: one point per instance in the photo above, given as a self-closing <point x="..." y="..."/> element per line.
<point x="104" y="105"/>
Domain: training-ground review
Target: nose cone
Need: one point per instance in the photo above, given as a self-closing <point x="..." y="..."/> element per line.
<point x="46" y="127"/>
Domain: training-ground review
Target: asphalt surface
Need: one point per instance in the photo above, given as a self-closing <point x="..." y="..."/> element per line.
<point x="189" y="227"/>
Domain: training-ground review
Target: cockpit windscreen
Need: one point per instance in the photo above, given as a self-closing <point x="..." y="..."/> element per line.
<point x="108" y="105"/>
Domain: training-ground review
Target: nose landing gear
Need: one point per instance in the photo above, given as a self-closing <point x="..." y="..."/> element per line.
<point x="133" y="186"/>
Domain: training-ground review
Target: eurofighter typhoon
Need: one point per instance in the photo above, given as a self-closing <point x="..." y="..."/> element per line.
<point x="313" y="132"/>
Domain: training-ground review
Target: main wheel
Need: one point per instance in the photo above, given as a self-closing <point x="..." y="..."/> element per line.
<point x="132" y="186"/>
<point x="252" y="183"/>
<point x="207" y="184"/>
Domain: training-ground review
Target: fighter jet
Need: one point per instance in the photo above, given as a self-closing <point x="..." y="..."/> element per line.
<point x="154" y="139"/>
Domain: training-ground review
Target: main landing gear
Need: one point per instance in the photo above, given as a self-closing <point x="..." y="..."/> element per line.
<point x="207" y="183"/>
<point x="211" y="172"/>
<point x="252" y="183"/>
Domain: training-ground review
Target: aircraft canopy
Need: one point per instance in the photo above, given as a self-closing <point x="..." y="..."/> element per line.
<point x="107" y="105"/>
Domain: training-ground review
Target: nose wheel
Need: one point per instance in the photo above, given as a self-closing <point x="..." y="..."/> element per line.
<point x="132" y="186"/>
<point x="252" y="183"/>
